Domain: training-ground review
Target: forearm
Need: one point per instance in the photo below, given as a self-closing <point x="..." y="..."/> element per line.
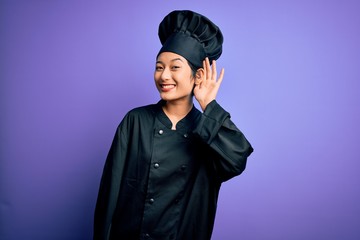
<point x="220" y="133"/>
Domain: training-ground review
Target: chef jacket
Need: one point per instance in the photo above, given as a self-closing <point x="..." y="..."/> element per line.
<point x="159" y="183"/>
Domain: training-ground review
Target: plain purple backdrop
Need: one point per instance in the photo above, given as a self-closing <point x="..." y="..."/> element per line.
<point x="70" y="70"/>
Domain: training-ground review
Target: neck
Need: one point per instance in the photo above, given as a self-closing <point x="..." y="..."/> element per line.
<point x="176" y="111"/>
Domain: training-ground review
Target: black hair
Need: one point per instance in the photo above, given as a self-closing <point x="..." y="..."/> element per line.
<point x="193" y="69"/>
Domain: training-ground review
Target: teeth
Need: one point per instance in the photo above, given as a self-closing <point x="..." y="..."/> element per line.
<point x="167" y="86"/>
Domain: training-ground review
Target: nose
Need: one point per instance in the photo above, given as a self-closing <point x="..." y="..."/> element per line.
<point x="165" y="75"/>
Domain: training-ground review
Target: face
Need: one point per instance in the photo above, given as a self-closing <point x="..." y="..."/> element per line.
<point x="173" y="77"/>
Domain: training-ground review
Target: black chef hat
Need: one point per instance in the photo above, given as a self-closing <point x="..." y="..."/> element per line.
<point x="190" y="35"/>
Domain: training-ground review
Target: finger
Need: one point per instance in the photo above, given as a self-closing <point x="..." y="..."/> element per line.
<point x="205" y="71"/>
<point x="221" y="77"/>
<point x="214" y="72"/>
<point x="208" y="68"/>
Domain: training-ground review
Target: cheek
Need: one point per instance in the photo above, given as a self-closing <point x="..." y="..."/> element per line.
<point x="192" y="80"/>
<point x="156" y="75"/>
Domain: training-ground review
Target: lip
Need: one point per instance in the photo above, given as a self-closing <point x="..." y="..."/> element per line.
<point x="167" y="87"/>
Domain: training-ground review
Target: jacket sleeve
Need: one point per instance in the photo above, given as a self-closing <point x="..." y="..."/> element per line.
<point x="217" y="130"/>
<point x="110" y="186"/>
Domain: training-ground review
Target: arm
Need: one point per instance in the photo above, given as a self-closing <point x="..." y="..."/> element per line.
<point x="221" y="135"/>
<point x="109" y="187"/>
<point x="215" y="127"/>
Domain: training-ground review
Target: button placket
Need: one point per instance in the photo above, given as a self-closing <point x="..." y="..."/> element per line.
<point x="183" y="167"/>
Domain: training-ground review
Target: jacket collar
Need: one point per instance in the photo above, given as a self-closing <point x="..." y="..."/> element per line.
<point x="184" y="124"/>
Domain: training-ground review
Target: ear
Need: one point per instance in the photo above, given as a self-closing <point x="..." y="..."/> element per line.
<point x="199" y="76"/>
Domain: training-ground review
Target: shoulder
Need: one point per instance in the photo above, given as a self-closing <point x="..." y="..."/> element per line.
<point x="143" y="111"/>
<point x="144" y="114"/>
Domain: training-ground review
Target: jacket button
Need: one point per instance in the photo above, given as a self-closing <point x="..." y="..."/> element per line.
<point x="156" y="165"/>
<point x="186" y="135"/>
<point x="151" y="200"/>
<point x="161" y="131"/>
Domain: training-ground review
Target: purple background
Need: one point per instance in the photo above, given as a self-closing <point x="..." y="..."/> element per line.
<point x="70" y="70"/>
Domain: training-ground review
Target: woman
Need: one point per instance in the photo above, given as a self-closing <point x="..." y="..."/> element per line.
<point x="168" y="160"/>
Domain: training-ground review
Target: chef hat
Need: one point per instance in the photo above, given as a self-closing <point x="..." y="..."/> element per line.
<point x="190" y="35"/>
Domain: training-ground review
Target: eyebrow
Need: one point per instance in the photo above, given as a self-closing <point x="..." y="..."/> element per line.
<point x="173" y="60"/>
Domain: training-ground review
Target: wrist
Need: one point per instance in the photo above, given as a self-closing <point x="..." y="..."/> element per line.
<point x="204" y="104"/>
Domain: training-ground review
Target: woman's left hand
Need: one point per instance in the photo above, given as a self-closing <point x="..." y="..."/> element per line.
<point x="207" y="86"/>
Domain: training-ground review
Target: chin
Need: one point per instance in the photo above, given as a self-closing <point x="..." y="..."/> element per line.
<point x="166" y="99"/>
<point x="166" y="96"/>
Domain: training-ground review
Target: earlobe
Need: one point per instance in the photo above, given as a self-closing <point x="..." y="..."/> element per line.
<point x="197" y="81"/>
<point x="199" y="76"/>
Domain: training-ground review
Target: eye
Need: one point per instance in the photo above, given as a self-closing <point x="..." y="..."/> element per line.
<point x="158" y="68"/>
<point x="175" y="67"/>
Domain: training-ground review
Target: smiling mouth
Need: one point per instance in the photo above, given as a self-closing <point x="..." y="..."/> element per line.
<point x="167" y="86"/>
